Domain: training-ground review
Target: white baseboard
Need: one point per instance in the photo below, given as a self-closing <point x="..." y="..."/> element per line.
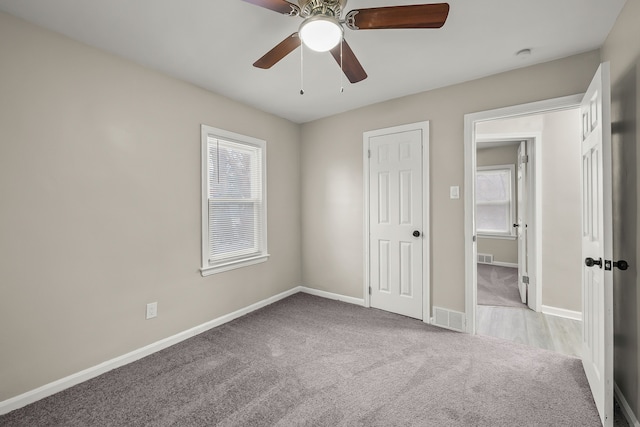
<point x="331" y="295"/>
<point x="504" y="264"/>
<point x="561" y="312"/>
<point x="66" y="382"/>
<point x="624" y="405"/>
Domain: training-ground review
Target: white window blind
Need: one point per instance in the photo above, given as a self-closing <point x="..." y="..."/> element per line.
<point x="234" y="232"/>
<point x="495" y="211"/>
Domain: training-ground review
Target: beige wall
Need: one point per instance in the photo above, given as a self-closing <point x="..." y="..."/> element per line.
<point x="560" y="163"/>
<point x="503" y="250"/>
<point x="622" y="49"/>
<point x="526" y="124"/>
<point x="100" y="210"/>
<point x="332" y="172"/>
<point x="561" y="211"/>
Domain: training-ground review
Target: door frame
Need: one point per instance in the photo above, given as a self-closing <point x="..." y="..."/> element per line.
<point x="471" y="247"/>
<point x="426" y="233"/>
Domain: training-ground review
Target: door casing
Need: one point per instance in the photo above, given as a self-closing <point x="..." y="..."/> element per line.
<point x="426" y="241"/>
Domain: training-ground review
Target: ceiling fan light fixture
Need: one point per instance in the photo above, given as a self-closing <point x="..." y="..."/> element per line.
<point x="320" y="33"/>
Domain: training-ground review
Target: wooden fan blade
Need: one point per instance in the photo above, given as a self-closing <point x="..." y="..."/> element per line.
<point x="280" y="6"/>
<point x="411" y="16"/>
<point x="281" y="50"/>
<point x="350" y="64"/>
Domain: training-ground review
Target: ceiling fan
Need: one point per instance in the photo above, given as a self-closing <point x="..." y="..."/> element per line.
<point x="322" y="28"/>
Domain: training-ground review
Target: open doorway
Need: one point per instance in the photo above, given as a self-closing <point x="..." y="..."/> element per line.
<point x="526" y="280"/>
<point x="505" y="224"/>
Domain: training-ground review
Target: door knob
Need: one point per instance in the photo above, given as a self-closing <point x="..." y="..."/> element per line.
<point x="416" y="233"/>
<point x="622" y="264"/>
<point x="516" y="225"/>
<point x="590" y="262"/>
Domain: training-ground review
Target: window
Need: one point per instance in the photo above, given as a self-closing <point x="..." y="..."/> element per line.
<point x="234" y="209"/>
<point x="495" y="194"/>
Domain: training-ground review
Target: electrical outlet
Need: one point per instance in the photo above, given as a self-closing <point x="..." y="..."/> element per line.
<point x="152" y="310"/>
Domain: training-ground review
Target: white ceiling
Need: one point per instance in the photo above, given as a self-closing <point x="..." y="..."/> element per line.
<point x="213" y="44"/>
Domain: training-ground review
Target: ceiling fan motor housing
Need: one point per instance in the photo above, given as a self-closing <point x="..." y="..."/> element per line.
<point x="331" y="8"/>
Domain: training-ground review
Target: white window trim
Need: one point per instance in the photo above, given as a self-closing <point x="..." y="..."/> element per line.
<point x="511" y="234"/>
<point x="496" y="236"/>
<point x="207" y="132"/>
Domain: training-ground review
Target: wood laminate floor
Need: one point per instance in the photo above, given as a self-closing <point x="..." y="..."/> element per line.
<point x="528" y="327"/>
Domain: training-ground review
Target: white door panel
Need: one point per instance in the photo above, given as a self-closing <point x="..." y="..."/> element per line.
<point x="395" y="176"/>
<point x="597" y="281"/>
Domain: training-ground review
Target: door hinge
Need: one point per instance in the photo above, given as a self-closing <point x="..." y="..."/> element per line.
<point x="369" y="290"/>
<point x="524" y="159"/>
<point x="525" y="280"/>
<point x="369" y="154"/>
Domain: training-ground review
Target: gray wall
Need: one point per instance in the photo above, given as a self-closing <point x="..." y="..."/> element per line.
<point x="622" y="49"/>
<point x="503" y="250"/>
<point x="100" y="210"/>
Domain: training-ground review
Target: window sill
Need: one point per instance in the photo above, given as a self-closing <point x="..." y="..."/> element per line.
<point x="208" y="271"/>
<point x="496" y="236"/>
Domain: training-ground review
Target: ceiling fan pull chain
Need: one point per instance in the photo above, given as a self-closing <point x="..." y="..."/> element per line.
<point x="341" y="68"/>
<point x="302" y="69"/>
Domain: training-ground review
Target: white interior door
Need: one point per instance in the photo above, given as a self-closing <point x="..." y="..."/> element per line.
<point x="396" y="228"/>
<point x="597" y="286"/>
<point x="521" y="224"/>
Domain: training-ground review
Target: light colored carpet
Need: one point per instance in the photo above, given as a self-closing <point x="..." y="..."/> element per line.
<point x="498" y="286"/>
<point x="311" y="361"/>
